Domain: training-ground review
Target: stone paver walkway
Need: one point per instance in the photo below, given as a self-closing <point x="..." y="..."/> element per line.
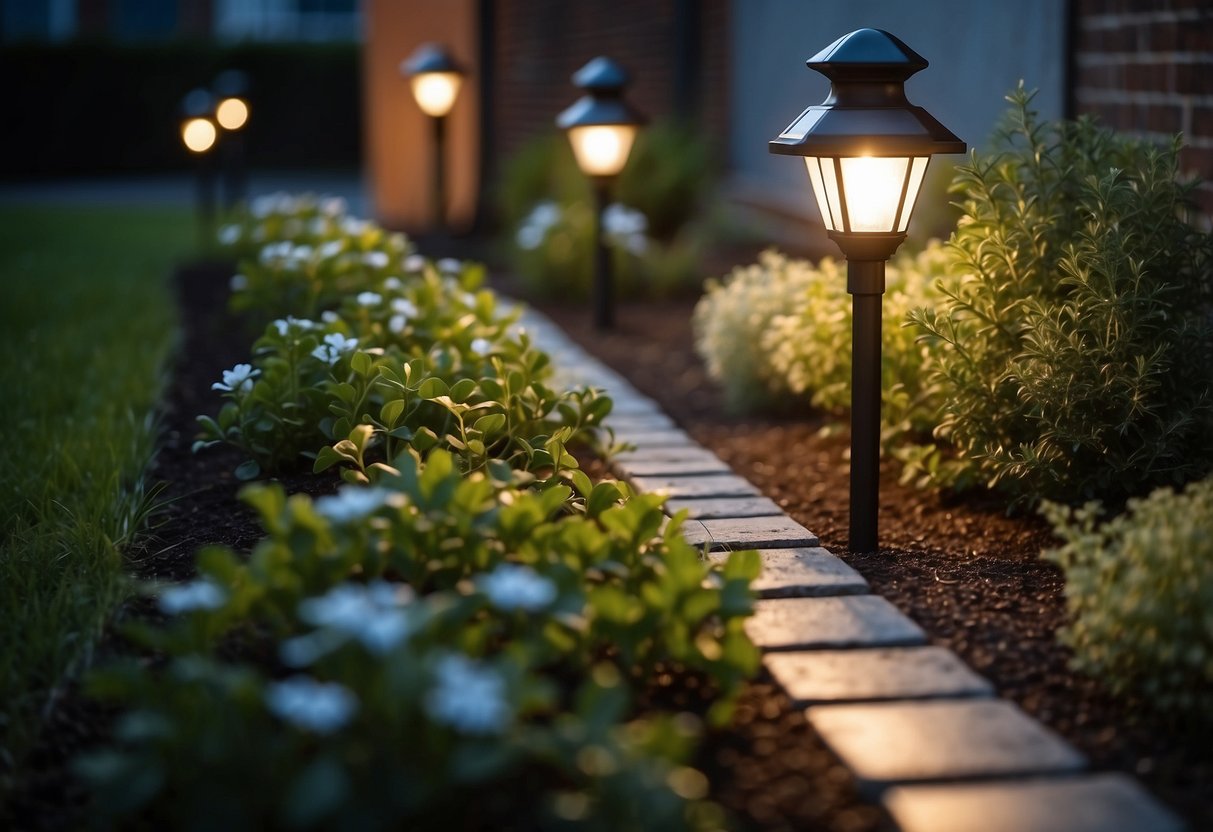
<point x="921" y="732"/>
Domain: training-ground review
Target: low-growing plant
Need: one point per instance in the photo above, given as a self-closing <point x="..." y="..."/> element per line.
<point x="780" y="330"/>
<point x="512" y="655"/>
<point x="1076" y="336"/>
<point x="1139" y="589"/>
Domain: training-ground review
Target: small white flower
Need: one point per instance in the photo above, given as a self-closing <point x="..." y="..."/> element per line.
<point x="333" y="206"/>
<point x="469" y="697"/>
<point x="263" y="206"/>
<point x="397" y="323"/>
<point x="229" y="234"/>
<point x="321" y="707"/>
<point x="274" y="251"/>
<point x="369" y="299"/>
<point x="482" y="346"/>
<point x="351" y="503"/>
<point x="449" y="265"/>
<point x="392" y="284"/>
<point x="530" y="237"/>
<point x="284" y="325"/>
<point x="373" y="614"/>
<point x="375" y="259"/>
<point x="302" y="252"/>
<point x="414" y="263"/>
<point x="622" y="220"/>
<point x="353" y="226"/>
<point x="237" y="379"/>
<point x="331" y="249"/>
<point x="334" y="347"/>
<point x="238" y="283"/>
<point x="202" y="594"/>
<point x="318" y="226"/>
<point x="329" y="316"/>
<point x="405" y="307"/>
<point x="513" y="587"/>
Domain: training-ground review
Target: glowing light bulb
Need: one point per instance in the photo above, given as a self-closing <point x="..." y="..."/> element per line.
<point x="602" y="149"/>
<point x="435" y="91"/>
<point x="198" y="134"/>
<point x="232" y="113"/>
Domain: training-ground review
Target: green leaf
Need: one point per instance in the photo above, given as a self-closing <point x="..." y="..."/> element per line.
<point x="361" y="363"/>
<point x="248" y="470"/>
<point x="424" y="439"/>
<point x="489" y="424"/>
<point x="604" y="495"/>
<point x="432" y="388"/>
<point x="463" y="389"/>
<point x="390" y="412"/>
<point x="328" y="457"/>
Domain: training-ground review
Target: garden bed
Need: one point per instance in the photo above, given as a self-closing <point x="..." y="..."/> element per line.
<point x="969" y="574"/>
<point x="966" y="572"/>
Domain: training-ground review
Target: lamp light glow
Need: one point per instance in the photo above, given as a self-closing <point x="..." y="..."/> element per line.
<point x="436" y="92"/>
<point x="232" y="113"/>
<point x="602" y="149"/>
<point x="199" y="134"/>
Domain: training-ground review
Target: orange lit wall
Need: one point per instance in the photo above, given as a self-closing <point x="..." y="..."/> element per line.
<point x="399" y="144"/>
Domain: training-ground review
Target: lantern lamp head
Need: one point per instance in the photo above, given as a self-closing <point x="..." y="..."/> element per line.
<point x="866" y="146"/>
<point x="198" y="131"/>
<point x="601" y="125"/>
<point x="435" y="78"/>
<point x="231" y="91"/>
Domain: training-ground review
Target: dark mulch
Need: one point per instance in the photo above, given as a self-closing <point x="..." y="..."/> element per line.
<point x="970" y="575"/>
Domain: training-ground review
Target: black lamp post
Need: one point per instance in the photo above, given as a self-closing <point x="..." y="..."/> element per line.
<point x="232" y="114"/>
<point x="601" y="127"/>
<point x="866" y="148"/>
<point x="198" y="134"/>
<point x="435" y="79"/>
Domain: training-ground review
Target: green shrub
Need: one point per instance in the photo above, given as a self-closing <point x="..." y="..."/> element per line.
<point x="1139" y="589"/>
<point x="1076" y="335"/>
<point x="781" y="329"/>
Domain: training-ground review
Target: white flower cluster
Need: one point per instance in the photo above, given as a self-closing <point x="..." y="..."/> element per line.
<point x="513" y="587"/>
<point x="481" y="346"/>
<point x="239" y="379"/>
<point x="403" y="311"/>
<point x="320" y="707"/>
<point x="202" y="594"/>
<point x="376" y="615"/>
<point x="335" y="346"/>
<point x="353" y="502"/>
<point x="285" y="254"/>
<point x="626" y="227"/>
<point x="285" y="325"/>
<point x="469" y="696"/>
<point x="536" y="225"/>
<point x="369" y="298"/>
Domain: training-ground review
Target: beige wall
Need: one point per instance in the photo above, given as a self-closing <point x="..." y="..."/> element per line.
<point x="399" y="145"/>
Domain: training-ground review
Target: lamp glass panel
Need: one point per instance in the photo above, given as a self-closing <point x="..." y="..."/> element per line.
<point x="198" y="134"/>
<point x="602" y="149"/>
<point x="819" y="191"/>
<point x="917" y="170"/>
<point x="435" y="91"/>
<point x="231" y="113"/>
<point x="829" y="178"/>
<point x="872" y="187"/>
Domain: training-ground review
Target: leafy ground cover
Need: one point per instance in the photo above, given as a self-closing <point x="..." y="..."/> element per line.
<point x="87" y="317"/>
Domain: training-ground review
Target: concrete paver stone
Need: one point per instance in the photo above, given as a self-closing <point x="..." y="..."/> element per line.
<point x="846" y="621"/>
<point x="914" y="742"/>
<point x="757" y="532"/>
<point x="825" y="676"/>
<point x="803" y="572"/>
<point x="717" y="507"/>
<point x="1099" y="803"/>
<point x="712" y="485"/>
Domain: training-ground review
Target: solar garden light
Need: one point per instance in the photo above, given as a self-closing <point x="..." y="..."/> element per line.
<point x="866" y="148"/>
<point x="435" y="79"/>
<point x="232" y="113"/>
<point x="601" y="127"/>
<point x="198" y="134"/>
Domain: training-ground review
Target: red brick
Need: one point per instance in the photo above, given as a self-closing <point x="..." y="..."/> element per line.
<point x="1197" y="160"/>
<point x="1194" y="78"/>
<point x="1100" y="76"/>
<point x="1202" y="122"/>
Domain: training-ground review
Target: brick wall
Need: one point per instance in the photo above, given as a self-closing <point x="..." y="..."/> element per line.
<point x="539" y="44"/>
<point x="1146" y="67"/>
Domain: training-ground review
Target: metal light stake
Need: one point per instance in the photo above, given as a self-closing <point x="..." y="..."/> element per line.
<point x="866" y="148"/>
<point x="435" y="78"/>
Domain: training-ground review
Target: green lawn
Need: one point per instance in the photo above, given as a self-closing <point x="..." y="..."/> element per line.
<point x="86" y="325"/>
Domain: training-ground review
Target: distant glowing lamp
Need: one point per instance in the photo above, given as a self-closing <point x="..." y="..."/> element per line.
<point x="198" y="134"/>
<point x="866" y="148"/>
<point x="435" y="79"/>
<point x="232" y="113"/>
<point x="601" y="127"/>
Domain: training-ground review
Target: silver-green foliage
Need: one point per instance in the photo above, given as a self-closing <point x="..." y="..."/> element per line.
<point x="780" y="329"/>
<point x="1140" y="594"/>
<point x="1076" y="336"/>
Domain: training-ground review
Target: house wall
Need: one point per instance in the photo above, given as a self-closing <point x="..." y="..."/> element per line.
<point x="1146" y="67"/>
